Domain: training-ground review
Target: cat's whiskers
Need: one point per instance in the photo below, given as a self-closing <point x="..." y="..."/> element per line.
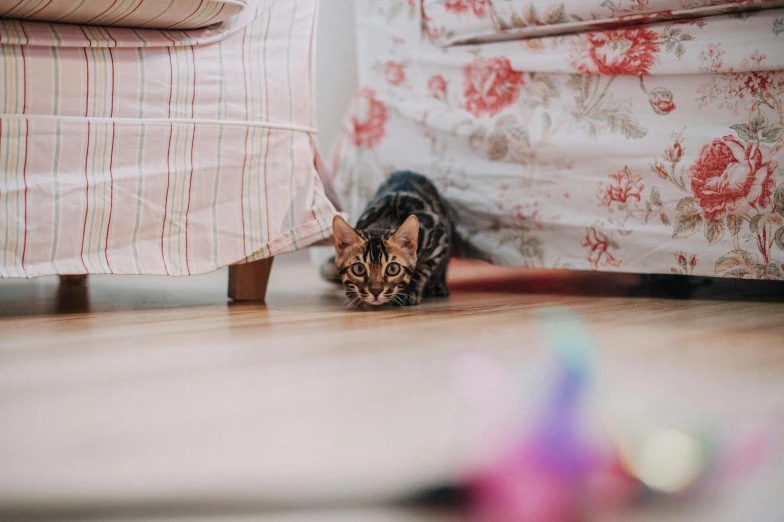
<point x="352" y="300"/>
<point x="398" y="298"/>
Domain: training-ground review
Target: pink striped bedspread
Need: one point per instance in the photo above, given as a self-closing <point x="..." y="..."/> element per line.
<point x="161" y="14"/>
<point x="140" y="151"/>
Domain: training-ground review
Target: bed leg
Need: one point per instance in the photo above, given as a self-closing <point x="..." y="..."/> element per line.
<point x="73" y="279"/>
<point x="248" y="281"/>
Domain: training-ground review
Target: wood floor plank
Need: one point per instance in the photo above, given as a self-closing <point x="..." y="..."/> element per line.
<point x="150" y="390"/>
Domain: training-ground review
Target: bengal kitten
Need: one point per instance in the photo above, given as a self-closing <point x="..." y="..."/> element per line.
<point x="401" y="246"/>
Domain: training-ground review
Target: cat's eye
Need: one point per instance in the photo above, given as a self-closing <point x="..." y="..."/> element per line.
<point x="393" y="269"/>
<point x="358" y="269"/>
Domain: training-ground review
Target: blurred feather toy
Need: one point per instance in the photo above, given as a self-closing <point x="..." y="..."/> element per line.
<point x="561" y="470"/>
<point x="556" y="471"/>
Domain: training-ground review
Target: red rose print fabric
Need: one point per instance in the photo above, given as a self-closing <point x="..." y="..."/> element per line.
<point x="368" y="120"/>
<point x="648" y="148"/>
<point x="478" y="8"/>
<point x="437" y="86"/>
<point x="490" y="85"/>
<point x="624" y="186"/>
<point x="622" y="51"/>
<point x="732" y="177"/>
<point x="661" y="101"/>
<point x="598" y="245"/>
<point x="394" y="73"/>
<point x="461" y="21"/>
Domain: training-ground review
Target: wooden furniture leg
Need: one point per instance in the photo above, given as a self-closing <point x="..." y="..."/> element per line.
<point x="73" y="280"/>
<point x="248" y="281"/>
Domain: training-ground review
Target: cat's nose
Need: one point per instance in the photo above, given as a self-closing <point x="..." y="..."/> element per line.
<point x="375" y="290"/>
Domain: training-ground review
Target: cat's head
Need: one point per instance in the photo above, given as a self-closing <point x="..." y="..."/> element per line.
<point x="375" y="265"/>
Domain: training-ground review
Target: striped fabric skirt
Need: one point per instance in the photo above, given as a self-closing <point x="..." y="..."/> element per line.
<point x="157" y="151"/>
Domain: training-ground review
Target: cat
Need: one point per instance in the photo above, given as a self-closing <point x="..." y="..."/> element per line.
<point x="400" y="248"/>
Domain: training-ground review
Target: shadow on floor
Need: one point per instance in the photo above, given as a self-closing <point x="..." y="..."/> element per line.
<point x="468" y="277"/>
<point x="298" y="284"/>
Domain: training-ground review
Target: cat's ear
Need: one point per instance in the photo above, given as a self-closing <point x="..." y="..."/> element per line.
<point x="345" y="236"/>
<point x="407" y="235"/>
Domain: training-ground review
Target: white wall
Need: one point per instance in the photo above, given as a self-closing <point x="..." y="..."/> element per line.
<point x="336" y="73"/>
<point x="336" y="80"/>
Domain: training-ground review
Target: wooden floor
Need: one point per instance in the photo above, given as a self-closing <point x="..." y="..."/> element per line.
<point x="144" y="397"/>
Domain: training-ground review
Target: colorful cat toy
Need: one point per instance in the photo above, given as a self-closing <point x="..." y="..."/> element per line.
<point x="561" y="470"/>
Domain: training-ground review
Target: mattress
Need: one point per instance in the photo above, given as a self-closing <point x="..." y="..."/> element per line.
<point x="154" y="14"/>
<point x="655" y="148"/>
<point x="126" y="151"/>
<point x="450" y="22"/>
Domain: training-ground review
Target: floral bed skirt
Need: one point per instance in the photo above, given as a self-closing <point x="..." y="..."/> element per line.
<point x="653" y="149"/>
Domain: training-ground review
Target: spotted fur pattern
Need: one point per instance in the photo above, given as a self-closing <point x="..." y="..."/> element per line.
<point x="401" y="246"/>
